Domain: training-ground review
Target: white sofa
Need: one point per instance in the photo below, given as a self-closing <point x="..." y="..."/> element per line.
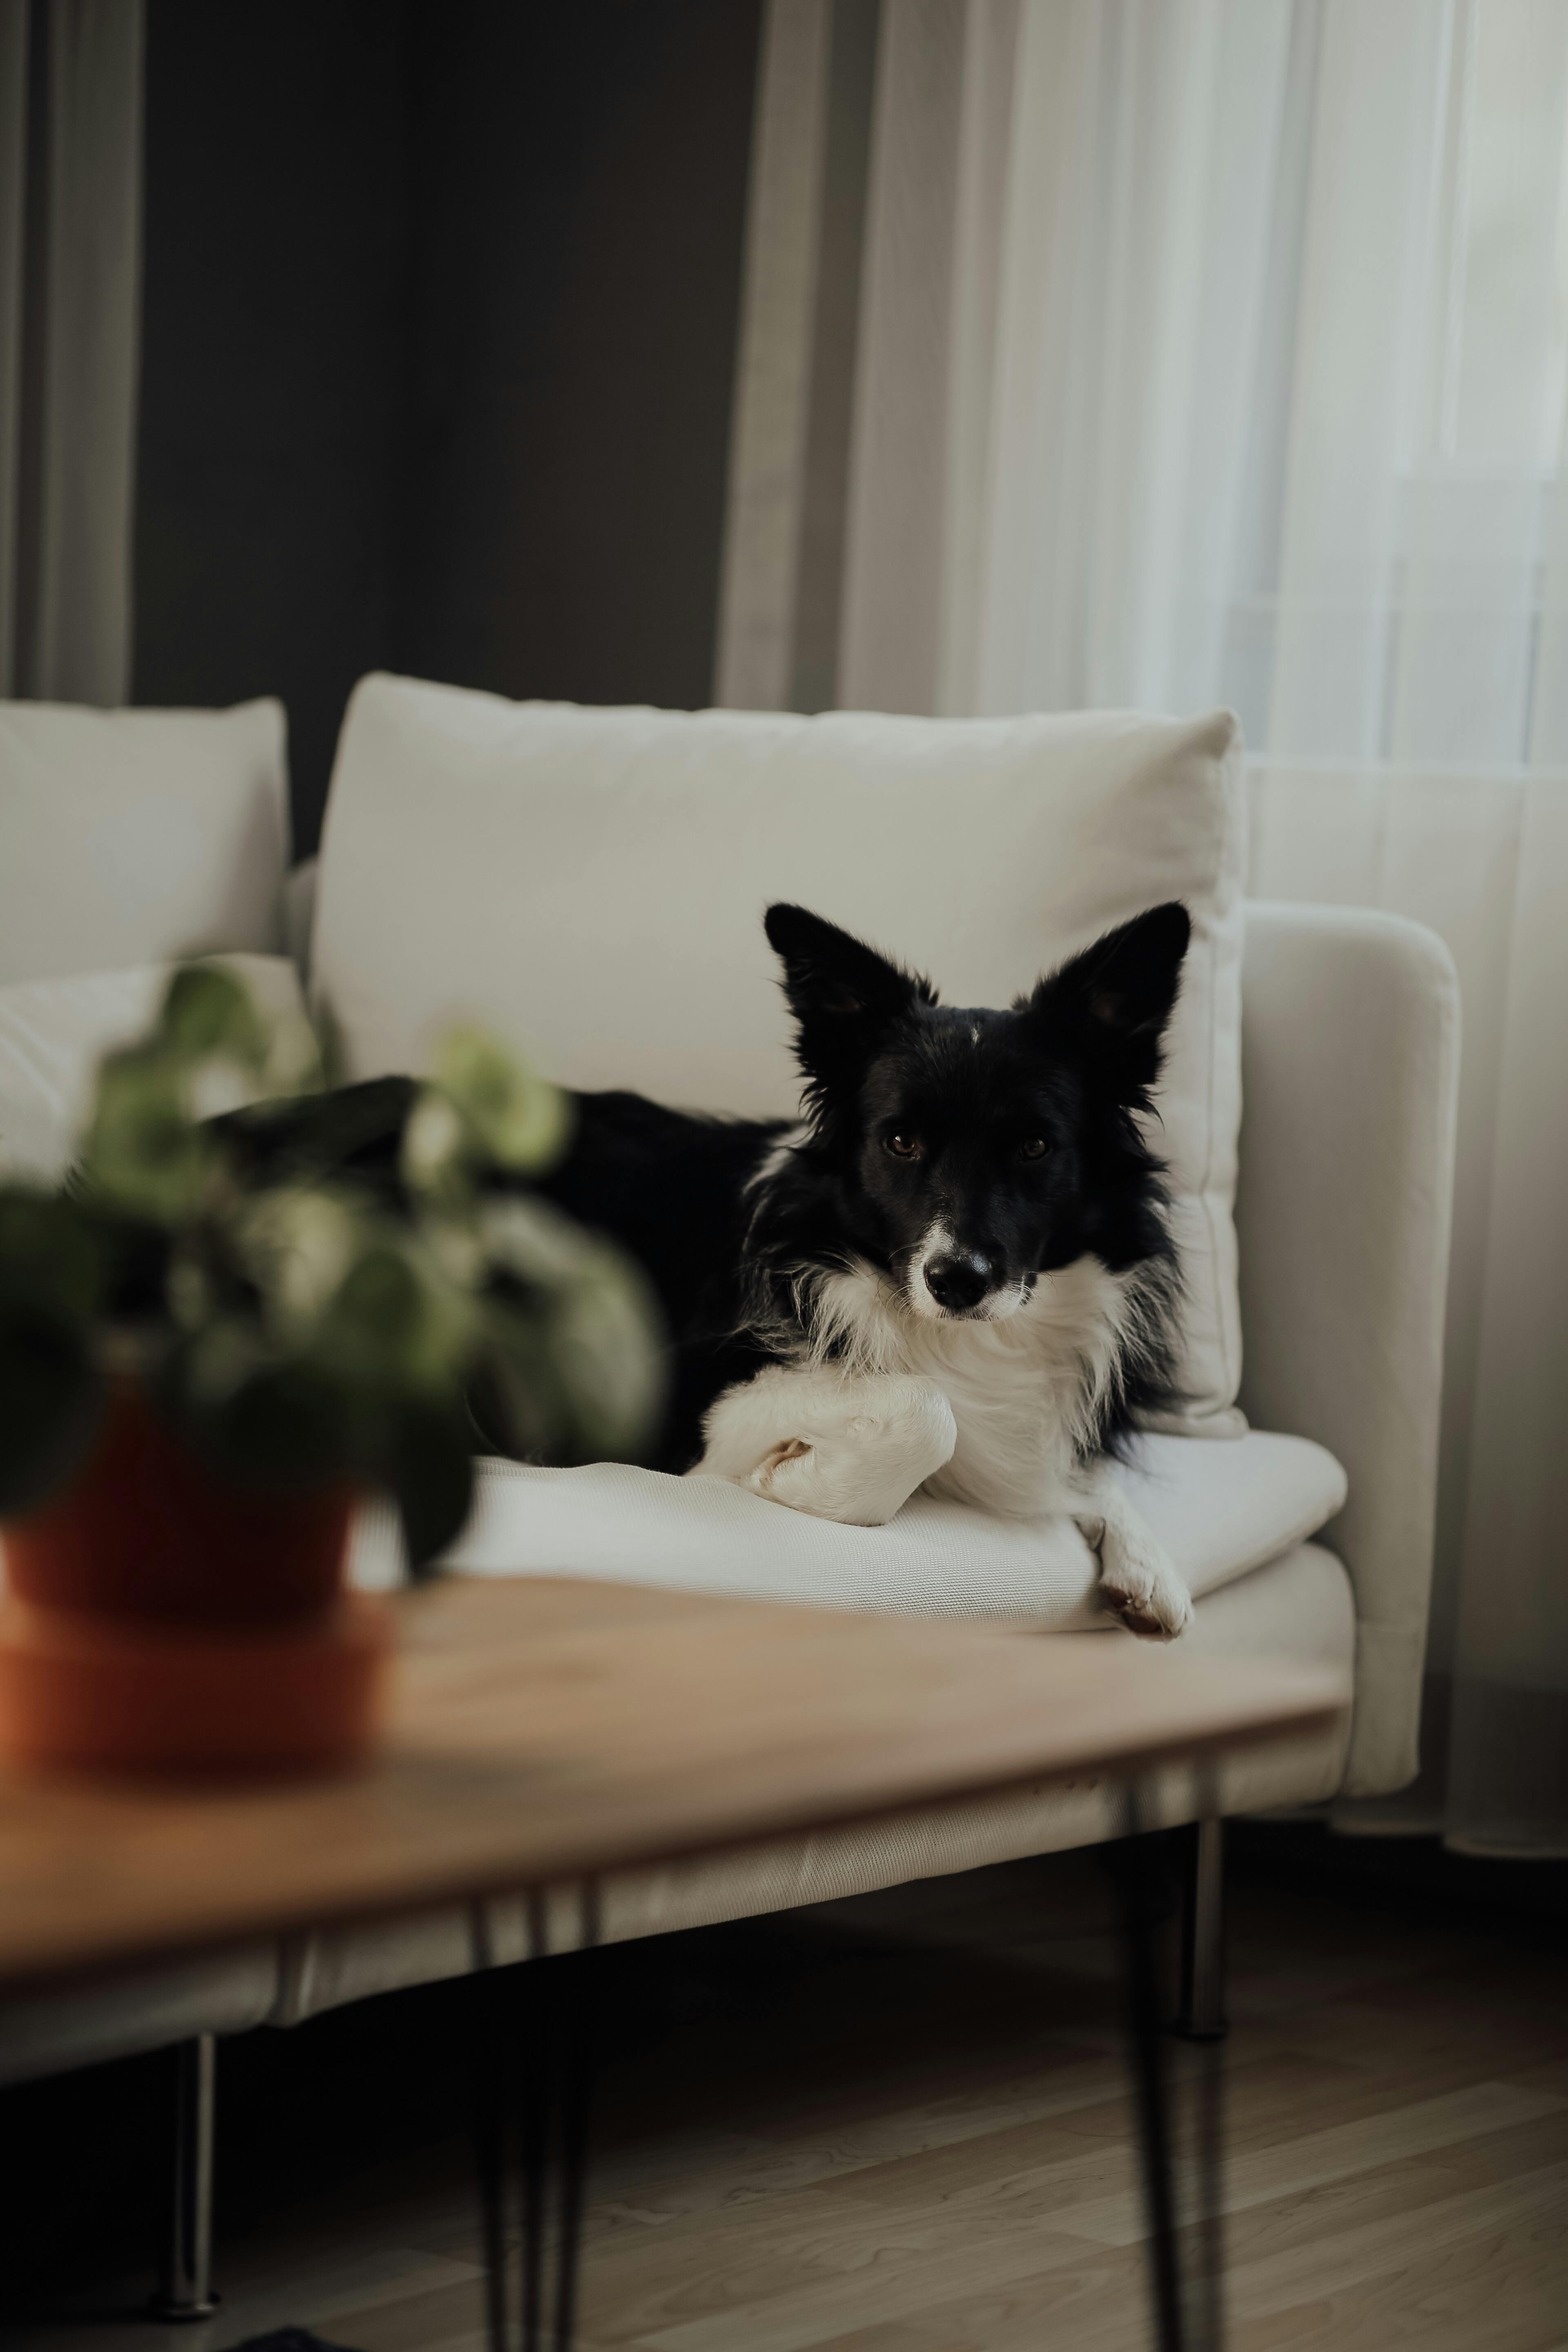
<point x="1309" y="1536"/>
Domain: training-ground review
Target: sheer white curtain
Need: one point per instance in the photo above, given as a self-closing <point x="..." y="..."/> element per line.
<point x="1215" y="350"/>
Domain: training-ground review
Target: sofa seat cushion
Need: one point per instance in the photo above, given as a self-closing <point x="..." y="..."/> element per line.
<point x="1221" y="1508"/>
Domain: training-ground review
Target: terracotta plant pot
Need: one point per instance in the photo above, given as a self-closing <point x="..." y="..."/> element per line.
<point x="158" y="1620"/>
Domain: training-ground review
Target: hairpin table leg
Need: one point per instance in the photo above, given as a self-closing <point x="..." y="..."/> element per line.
<point x="576" y="2096"/>
<point x="536" y="2102"/>
<point x="534" y="2064"/>
<point x="1146" y="2014"/>
<point x="493" y="2060"/>
<point x="185" y="2288"/>
<point x="1201" y="2017"/>
<point x="1189" y="2314"/>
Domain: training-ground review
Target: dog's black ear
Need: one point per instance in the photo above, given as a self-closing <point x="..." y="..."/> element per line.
<point x="842" y="992"/>
<point x="830" y="972"/>
<point x="1120" y="992"/>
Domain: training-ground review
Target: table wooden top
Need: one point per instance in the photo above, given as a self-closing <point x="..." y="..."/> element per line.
<point x="544" y="1728"/>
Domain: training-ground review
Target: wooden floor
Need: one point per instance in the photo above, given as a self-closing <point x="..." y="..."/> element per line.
<point x="901" y="2125"/>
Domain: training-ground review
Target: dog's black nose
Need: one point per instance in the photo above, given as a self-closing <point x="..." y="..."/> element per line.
<point x="958" y="1282"/>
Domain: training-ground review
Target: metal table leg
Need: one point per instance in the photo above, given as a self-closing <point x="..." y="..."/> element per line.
<point x="1147" y="2021"/>
<point x="185" y="2287"/>
<point x="1188" y="2314"/>
<point x="534" y="2062"/>
<point x="1201" y="2017"/>
<point x="534" y="2105"/>
<point x="576" y="2051"/>
<point x="493" y="2060"/>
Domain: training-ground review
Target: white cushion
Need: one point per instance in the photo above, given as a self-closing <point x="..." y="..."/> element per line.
<point x="1221" y="1510"/>
<point x="592" y="883"/>
<point x="52" y="1032"/>
<point x="134" y="836"/>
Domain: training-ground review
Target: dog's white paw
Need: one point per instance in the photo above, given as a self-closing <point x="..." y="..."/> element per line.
<point x="1140" y="1586"/>
<point x="860" y="1456"/>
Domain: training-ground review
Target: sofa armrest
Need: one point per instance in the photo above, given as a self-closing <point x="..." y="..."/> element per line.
<point x="1350" y="1076"/>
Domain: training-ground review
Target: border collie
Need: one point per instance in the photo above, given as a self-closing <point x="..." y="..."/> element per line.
<point x="954" y="1274"/>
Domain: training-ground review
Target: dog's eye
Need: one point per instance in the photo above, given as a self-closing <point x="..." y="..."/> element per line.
<point x="1033" y="1147"/>
<point x="903" y="1146"/>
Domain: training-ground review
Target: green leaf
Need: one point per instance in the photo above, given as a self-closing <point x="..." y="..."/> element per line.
<point x="521" y="1122"/>
<point x="144" y="1149"/>
<point x="573" y="1365"/>
<point x="608" y="1355"/>
<point x="48" y="1252"/>
<point x="517" y="1399"/>
<point x="532" y="1241"/>
<point x="396" y="1319"/>
<point x="51" y="1399"/>
<point x="207" y="1012"/>
<point x="284" y="1423"/>
<point x="426" y="1466"/>
<point x="298" y="1243"/>
<point x="439" y="1146"/>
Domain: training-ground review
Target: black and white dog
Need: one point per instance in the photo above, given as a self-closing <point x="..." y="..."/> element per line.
<point x="954" y="1274"/>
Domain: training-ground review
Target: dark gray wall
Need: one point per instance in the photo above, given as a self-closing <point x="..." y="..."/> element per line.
<point x="440" y="309"/>
<point x="275" y="327"/>
<point x="578" y="222"/>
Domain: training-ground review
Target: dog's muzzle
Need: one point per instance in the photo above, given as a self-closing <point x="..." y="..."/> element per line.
<point x="959" y="1280"/>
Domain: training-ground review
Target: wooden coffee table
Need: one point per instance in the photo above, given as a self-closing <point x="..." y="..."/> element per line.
<point x="549" y="1729"/>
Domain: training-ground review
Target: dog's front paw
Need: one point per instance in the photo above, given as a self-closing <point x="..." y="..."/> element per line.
<point x="865" y="1449"/>
<point x="1142" y="1589"/>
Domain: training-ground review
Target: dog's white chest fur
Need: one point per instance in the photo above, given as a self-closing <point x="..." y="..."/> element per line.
<point x="1024" y="1391"/>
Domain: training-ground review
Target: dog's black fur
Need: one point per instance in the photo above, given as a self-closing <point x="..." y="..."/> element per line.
<point x="1017" y="1131"/>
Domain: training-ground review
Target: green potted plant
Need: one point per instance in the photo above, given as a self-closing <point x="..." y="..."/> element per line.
<point x="209" y="1353"/>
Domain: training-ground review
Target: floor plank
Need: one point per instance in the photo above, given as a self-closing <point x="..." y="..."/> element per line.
<point x="1337" y="2154"/>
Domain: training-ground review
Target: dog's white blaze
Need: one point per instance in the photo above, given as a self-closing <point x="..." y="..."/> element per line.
<point x="935" y="1242"/>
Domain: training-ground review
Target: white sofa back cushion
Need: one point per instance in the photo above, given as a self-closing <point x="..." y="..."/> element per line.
<point x="591" y="882"/>
<point x="53" y="1033"/>
<point x="134" y="836"/>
